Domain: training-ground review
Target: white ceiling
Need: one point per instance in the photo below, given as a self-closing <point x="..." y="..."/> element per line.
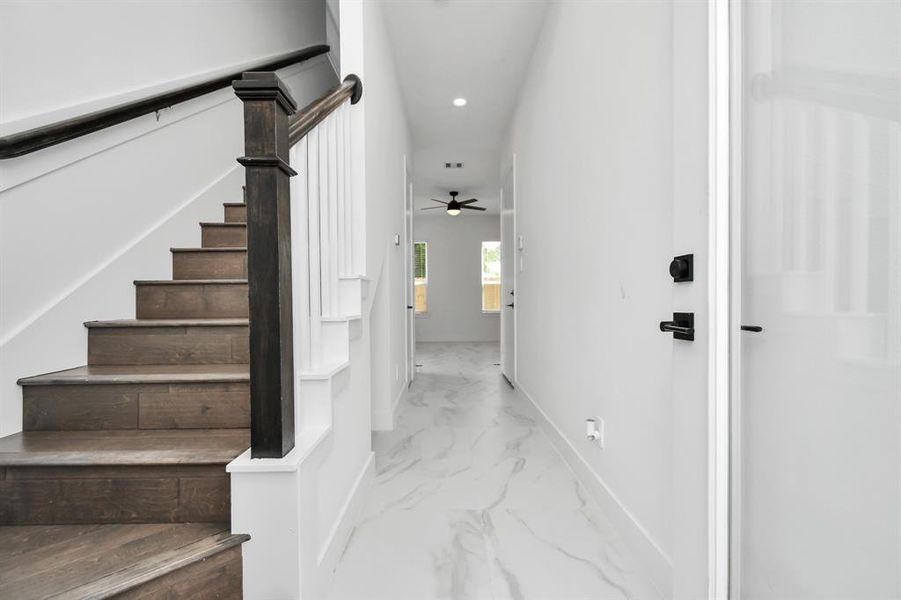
<point x="475" y="49"/>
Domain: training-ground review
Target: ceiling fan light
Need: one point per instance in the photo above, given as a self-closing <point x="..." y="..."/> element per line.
<point x="453" y="211"/>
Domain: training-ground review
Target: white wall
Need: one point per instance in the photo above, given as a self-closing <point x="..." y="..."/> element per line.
<point x="80" y="221"/>
<point x="387" y="143"/>
<point x="92" y="51"/>
<point x="455" y="285"/>
<point x="593" y="139"/>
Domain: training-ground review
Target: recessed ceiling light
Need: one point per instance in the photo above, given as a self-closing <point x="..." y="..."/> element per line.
<point x="459" y="101"/>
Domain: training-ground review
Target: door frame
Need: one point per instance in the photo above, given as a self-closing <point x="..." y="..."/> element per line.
<point x="724" y="256"/>
<point x="409" y="292"/>
<point x="511" y="172"/>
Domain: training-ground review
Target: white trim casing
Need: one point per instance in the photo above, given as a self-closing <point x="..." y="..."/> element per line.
<point x="719" y="325"/>
<point x="735" y="241"/>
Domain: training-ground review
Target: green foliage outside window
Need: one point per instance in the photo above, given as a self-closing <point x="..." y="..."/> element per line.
<point x="419" y="260"/>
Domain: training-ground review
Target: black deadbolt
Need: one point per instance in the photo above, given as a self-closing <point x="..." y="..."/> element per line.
<point x="682" y="268"/>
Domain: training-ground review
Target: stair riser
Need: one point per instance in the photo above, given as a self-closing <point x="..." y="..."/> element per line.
<point x="223" y="236"/>
<point x="184" y="301"/>
<point x="335" y="342"/>
<point x="168" y="345"/>
<point x="156" y="406"/>
<point x="127" y="494"/>
<point x="350" y="294"/>
<point x="235" y="214"/>
<point x="209" y="265"/>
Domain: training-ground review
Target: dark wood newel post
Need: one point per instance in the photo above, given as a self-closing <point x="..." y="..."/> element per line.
<point x="267" y="105"/>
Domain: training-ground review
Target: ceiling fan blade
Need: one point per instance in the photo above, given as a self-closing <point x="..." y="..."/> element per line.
<point x="473" y="207"/>
<point x="441" y="201"/>
<point x="470" y="201"/>
<point x="433" y="208"/>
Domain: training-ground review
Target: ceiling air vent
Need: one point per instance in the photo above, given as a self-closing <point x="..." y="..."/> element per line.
<point x="453" y="165"/>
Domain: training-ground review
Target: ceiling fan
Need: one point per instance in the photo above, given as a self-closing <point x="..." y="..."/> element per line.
<point x="454" y="206"/>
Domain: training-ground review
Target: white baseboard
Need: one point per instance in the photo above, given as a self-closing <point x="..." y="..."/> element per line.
<point x="337" y="538"/>
<point x="637" y="538"/>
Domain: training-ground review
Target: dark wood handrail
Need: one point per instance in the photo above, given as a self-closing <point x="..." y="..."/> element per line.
<point x="25" y="142"/>
<point x="306" y="119"/>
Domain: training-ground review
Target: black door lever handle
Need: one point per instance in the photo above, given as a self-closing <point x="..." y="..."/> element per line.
<point x="682" y="326"/>
<point x="674" y="328"/>
<point x="754" y="328"/>
<point x="510" y="305"/>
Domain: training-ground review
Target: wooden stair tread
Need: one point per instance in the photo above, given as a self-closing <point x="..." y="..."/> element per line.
<point x="143" y="374"/>
<point x="117" y="487"/>
<point x="123" y="447"/>
<point x="190" y="282"/>
<point x="100" y="561"/>
<point x="224" y="249"/>
<point x="168" y="323"/>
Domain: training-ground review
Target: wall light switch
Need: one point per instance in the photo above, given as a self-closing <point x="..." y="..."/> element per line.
<point x="519" y="244"/>
<point x="397" y="239"/>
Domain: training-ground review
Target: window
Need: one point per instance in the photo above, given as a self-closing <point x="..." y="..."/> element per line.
<point x="491" y="276"/>
<point x="420" y="277"/>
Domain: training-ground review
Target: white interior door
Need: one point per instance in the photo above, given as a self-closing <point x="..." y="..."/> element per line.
<point x="508" y="275"/>
<point x="817" y="502"/>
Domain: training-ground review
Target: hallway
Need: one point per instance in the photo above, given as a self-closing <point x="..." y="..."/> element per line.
<point x="471" y="501"/>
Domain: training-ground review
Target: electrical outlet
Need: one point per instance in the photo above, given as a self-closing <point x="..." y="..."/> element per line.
<point x="595" y="430"/>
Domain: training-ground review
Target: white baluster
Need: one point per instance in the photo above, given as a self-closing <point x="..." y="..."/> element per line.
<point x="339" y="167"/>
<point x="333" y="214"/>
<point x="348" y="197"/>
<point x="315" y="293"/>
<point x="300" y="261"/>
<point x="325" y="247"/>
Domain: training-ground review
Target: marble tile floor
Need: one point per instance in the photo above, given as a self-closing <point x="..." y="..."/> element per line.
<point x="471" y="501"/>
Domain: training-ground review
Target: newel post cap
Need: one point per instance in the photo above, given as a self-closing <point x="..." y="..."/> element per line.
<point x="264" y="85"/>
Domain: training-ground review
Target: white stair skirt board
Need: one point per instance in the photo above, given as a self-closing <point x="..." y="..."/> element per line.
<point x="645" y="547"/>
<point x="291" y="554"/>
<point x="293" y="547"/>
<point x="295" y="543"/>
<point x="383" y="420"/>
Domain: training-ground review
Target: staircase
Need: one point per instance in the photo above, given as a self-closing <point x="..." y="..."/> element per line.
<point x="117" y="487"/>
